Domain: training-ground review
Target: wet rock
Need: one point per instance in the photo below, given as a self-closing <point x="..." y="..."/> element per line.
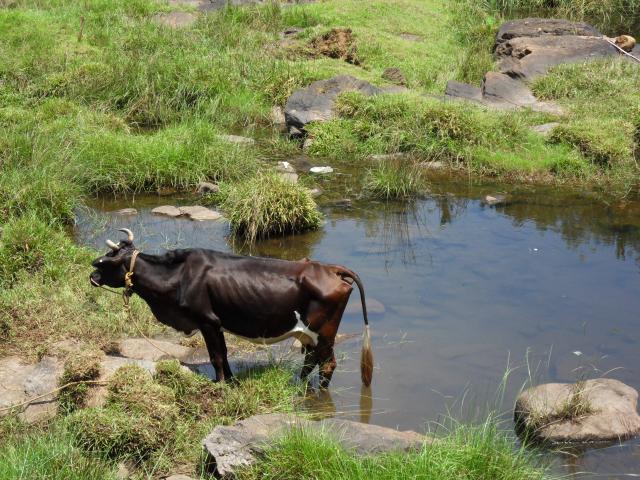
<point x="545" y="129"/>
<point x="126" y="211"/>
<point x="342" y="203"/>
<point x="277" y="116"/>
<point x="315" y="192"/>
<point x="198" y="213"/>
<point x="373" y="306"/>
<point x="505" y="93"/>
<point x="207" y="188"/>
<point x="315" y="103"/>
<point x="238" y="140"/>
<point x="175" y="19"/>
<point x="606" y="412"/>
<point x="394" y="75"/>
<point x="495" y="200"/>
<point x="237" y="446"/>
<point x="141" y="349"/>
<point x="168" y="210"/>
<point x="321" y="170"/>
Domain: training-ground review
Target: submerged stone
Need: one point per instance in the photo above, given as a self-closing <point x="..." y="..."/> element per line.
<point x="237" y="139"/>
<point x="126" y="211"/>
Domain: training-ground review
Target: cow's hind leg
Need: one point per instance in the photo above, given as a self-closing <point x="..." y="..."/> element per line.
<point x="216" y="348"/>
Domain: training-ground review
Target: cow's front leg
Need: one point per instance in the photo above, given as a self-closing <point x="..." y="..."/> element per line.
<point x="228" y="374"/>
<point x="217" y="349"/>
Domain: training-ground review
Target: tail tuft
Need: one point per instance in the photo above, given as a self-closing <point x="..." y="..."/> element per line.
<point x="366" y="358"/>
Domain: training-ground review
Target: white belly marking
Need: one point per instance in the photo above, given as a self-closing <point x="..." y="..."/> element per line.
<point x="300" y="331"/>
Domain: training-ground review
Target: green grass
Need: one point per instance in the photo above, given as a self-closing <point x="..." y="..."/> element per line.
<point x="269" y="205"/>
<point x="48" y="455"/>
<point x="474" y="452"/>
<point x="399" y="179"/>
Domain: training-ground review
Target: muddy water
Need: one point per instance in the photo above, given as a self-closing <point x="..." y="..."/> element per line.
<point x="546" y="286"/>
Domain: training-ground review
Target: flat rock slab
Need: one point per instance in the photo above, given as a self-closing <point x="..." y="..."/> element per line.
<point x="167" y="210"/>
<point x="611" y="414"/>
<point x="199" y="213"/>
<point x="530" y="57"/>
<point x="20" y="381"/>
<point x="231" y="448"/>
<point x="315" y="102"/>
<point x="141" y="349"/>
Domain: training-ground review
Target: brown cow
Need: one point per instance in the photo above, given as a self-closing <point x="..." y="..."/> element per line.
<point x="263" y="300"/>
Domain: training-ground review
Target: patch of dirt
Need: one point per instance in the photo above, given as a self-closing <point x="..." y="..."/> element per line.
<point x="337" y="43"/>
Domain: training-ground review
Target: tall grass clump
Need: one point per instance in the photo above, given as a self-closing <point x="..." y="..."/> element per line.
<point x="268" y="205"/>
<point x="399" y="179"/>
<point x="477" y="452"/>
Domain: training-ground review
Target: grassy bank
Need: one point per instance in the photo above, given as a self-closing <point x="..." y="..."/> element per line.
<point x="477" y="452"/>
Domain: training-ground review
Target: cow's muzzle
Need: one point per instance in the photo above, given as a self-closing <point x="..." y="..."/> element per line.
<point x="96" y="279"/>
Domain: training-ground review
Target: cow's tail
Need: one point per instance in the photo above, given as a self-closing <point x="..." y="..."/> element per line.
<point x="366" y="356"/>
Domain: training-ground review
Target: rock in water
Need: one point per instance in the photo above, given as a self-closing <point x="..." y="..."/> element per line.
<point x="599" y="410"/>
<point x="168" y="210"/>
<point x="321" y="170"/>
<point x="199" y="213"/>
<point x="126" y="211"/>
<point x="230" y="448"/>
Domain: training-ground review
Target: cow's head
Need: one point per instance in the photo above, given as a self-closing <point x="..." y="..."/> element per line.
<point x="112" y="267"/>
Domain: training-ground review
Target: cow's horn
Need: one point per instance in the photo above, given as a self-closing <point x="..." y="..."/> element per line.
<point x="112" y="246"/>
<point x="128" y="232"/>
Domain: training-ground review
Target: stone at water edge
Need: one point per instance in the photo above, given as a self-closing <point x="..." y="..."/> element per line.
<point x="198" y="213"/>
<point x="612" y="416"/>
<point x="277" y="116"/>
<point x="237" y="446"/>
<point x="494" y="200"/>
<point x="206" y="188"/>
<point x="167" y="210"/>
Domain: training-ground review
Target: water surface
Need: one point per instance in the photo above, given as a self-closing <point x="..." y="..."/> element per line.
<point x="544" y="286"/>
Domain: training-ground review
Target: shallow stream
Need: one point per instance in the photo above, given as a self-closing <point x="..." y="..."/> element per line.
<point x="544" y="287"/>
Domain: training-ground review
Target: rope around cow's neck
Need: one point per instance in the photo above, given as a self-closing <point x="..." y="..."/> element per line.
<point x="126" y="296"/>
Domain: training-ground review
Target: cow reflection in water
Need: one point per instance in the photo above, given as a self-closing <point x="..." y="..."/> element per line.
<point x="263" y="300"/>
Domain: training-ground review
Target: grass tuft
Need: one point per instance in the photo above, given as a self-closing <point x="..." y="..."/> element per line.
<point x="269" y="205"/>
<point x="79" y="367"/>
<point x="400" y="179"/>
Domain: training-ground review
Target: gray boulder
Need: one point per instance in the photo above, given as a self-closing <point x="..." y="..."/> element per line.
<point x="206" y="188"/>
<point x="199" y="213"/>
<point x="600" y="410"/>
<point x="315" y="102"/>
<point x="231" y="448"/>
<point x="167" y="210"/>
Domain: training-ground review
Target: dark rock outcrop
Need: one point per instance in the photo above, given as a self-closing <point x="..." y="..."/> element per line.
<point x="315" y="102"/>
